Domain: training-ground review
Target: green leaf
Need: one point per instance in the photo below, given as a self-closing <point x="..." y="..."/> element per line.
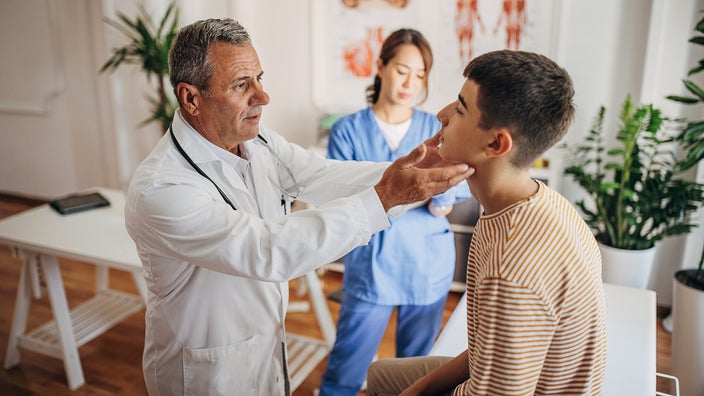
<point x="694" y="88"/>
<point x="148" y="46"/>
<point x="608" y="186"/>
<point x="697" y="40"/>
<point x="696" y="69"/>
<point x="683" y="99"/>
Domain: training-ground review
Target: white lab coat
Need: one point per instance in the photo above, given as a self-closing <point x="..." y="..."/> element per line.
<point x="217" y="277"/>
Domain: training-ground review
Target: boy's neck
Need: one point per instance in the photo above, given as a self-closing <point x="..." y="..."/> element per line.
<point x="496" y="189"/>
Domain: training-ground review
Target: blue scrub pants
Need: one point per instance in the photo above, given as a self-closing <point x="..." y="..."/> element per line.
<point x="360" y="328"/>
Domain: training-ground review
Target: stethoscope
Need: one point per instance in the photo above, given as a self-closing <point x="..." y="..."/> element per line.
<point x="292" y="196"/>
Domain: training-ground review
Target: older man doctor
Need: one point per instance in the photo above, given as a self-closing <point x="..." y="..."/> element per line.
<point x="209" y="211"/>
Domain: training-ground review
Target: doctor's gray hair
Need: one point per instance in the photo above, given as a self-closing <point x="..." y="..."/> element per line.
<point x="188" y="56"/>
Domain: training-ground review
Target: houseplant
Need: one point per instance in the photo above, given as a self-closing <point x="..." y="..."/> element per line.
<point x="688" y="290"/>
<point x="148" y="46"/>
<point x="637" y="192"/>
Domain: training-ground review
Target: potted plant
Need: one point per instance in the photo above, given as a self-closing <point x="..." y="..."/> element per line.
<point x="637" y="192"/>
<point x="149" y="47"/>
<point x="688" y="329"/>
<point x="688" y="291"/>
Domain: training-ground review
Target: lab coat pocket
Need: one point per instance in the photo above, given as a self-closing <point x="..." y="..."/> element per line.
<point x="222" y="370"/>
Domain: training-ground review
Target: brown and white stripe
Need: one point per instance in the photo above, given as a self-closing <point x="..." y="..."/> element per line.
<point x="535" y="304"/>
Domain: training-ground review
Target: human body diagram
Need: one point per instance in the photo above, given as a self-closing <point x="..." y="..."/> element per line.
<point x="512" y="17"/>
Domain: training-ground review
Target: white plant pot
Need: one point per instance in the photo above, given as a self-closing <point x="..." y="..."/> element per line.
<point x="688" y="338"/>
<point x="626" y="267"/>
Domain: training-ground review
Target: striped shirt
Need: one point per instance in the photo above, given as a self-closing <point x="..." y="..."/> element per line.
<point x="535" y="302"/>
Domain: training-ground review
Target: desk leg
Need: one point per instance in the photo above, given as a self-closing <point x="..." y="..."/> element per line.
<point x="19" y="316"/>
<point x="62" y="317"/>
<point x="102" y="277"/>
<point x="320" y="306"/>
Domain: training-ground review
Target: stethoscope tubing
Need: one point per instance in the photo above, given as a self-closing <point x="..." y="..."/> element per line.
<point x="222" y="194"/>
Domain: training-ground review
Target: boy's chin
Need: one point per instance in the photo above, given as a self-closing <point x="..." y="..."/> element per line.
<point x="445" y="155"/>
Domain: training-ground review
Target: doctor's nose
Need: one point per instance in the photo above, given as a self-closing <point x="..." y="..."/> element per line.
<point x="261" y="97"/>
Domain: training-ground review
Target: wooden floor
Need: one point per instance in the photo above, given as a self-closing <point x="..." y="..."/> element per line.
<point x="112" y="362"/>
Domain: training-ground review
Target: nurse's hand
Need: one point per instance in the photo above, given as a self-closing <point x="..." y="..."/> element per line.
<point x="416" y="177"/>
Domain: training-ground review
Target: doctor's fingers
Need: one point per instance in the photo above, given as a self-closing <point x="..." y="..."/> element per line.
<point x="412" y="185"/>
<point x="411" y="159"/>
<point x="433" y="141"/>
<point x="435" y="181"/>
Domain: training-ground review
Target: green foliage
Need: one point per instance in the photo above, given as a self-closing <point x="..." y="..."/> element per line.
<point x="692" y="136"/>
<point x="638" y="195"/>
<point x="148" y="47"/>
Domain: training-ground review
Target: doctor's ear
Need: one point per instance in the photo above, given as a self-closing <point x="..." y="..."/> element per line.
<point x="500" y="143"/>
<point x="188" y="97"/>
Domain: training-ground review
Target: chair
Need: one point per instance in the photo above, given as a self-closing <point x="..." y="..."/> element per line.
<point x="630" y="339"/>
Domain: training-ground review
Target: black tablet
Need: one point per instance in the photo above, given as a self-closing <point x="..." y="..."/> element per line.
<point x="78" y="202"/>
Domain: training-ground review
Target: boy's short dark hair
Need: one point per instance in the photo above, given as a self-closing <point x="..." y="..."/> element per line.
<point x="526" y="93"/>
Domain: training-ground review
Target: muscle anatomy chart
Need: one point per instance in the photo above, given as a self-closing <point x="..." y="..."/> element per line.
<point x="466" y="19"/>
<point x="485" y="25"/>
<point x="360" y="57"/>
<point x="513" y="16"/>
<point x="348" y="35"/>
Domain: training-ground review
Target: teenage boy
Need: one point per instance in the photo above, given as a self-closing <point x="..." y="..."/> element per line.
<point x="535" y="303"/>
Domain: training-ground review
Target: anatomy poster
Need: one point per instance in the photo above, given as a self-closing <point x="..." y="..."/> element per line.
<point x="348" y="34"/>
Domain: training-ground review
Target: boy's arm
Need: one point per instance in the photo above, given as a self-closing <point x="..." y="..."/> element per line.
<point x="443" y="379"/>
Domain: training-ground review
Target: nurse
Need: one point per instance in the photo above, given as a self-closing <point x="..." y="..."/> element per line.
<point x="409" y="266"/>
<point x="209" y="212"/>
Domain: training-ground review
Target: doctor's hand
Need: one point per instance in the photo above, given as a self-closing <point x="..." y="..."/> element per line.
<point x="415" y="177"/>
<point x="432" y="157"/>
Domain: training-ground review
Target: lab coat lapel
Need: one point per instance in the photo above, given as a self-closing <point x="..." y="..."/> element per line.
<point x="242" y="199"/>
<point x="269" y="196"/>
<point x="224" y="175"/>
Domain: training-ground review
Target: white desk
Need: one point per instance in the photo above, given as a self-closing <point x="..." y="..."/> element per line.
<point x="630" y="339"/>
<point x="39" y="236"/>
<point x="98" y="236"/>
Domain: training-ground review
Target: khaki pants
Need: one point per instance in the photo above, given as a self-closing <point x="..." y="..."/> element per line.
<point x="387" y="377"/>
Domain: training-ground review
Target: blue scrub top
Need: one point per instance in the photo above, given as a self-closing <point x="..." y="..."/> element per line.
<point x="413" y="261"/>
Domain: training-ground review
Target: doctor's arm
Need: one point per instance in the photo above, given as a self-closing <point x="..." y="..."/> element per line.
<point x="412" y="178"/>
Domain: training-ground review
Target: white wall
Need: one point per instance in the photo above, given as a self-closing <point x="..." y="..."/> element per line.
<point x="87" y="133"/>
<point x="51" y="143"/>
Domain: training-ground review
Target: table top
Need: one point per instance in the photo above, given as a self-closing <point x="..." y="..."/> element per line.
<point x="95" y="236"/>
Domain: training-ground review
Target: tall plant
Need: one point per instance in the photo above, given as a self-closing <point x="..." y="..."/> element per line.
<point x="148" y="47"/>
<point x="692" y="136"/>
<point x="637" y="193"/>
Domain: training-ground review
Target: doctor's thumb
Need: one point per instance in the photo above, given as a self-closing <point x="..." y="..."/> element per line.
<point x="414" y="157"/>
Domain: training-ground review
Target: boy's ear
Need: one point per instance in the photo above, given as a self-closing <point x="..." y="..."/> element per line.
<point x="500" y="143"/>
<point x="188" y="98"/>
